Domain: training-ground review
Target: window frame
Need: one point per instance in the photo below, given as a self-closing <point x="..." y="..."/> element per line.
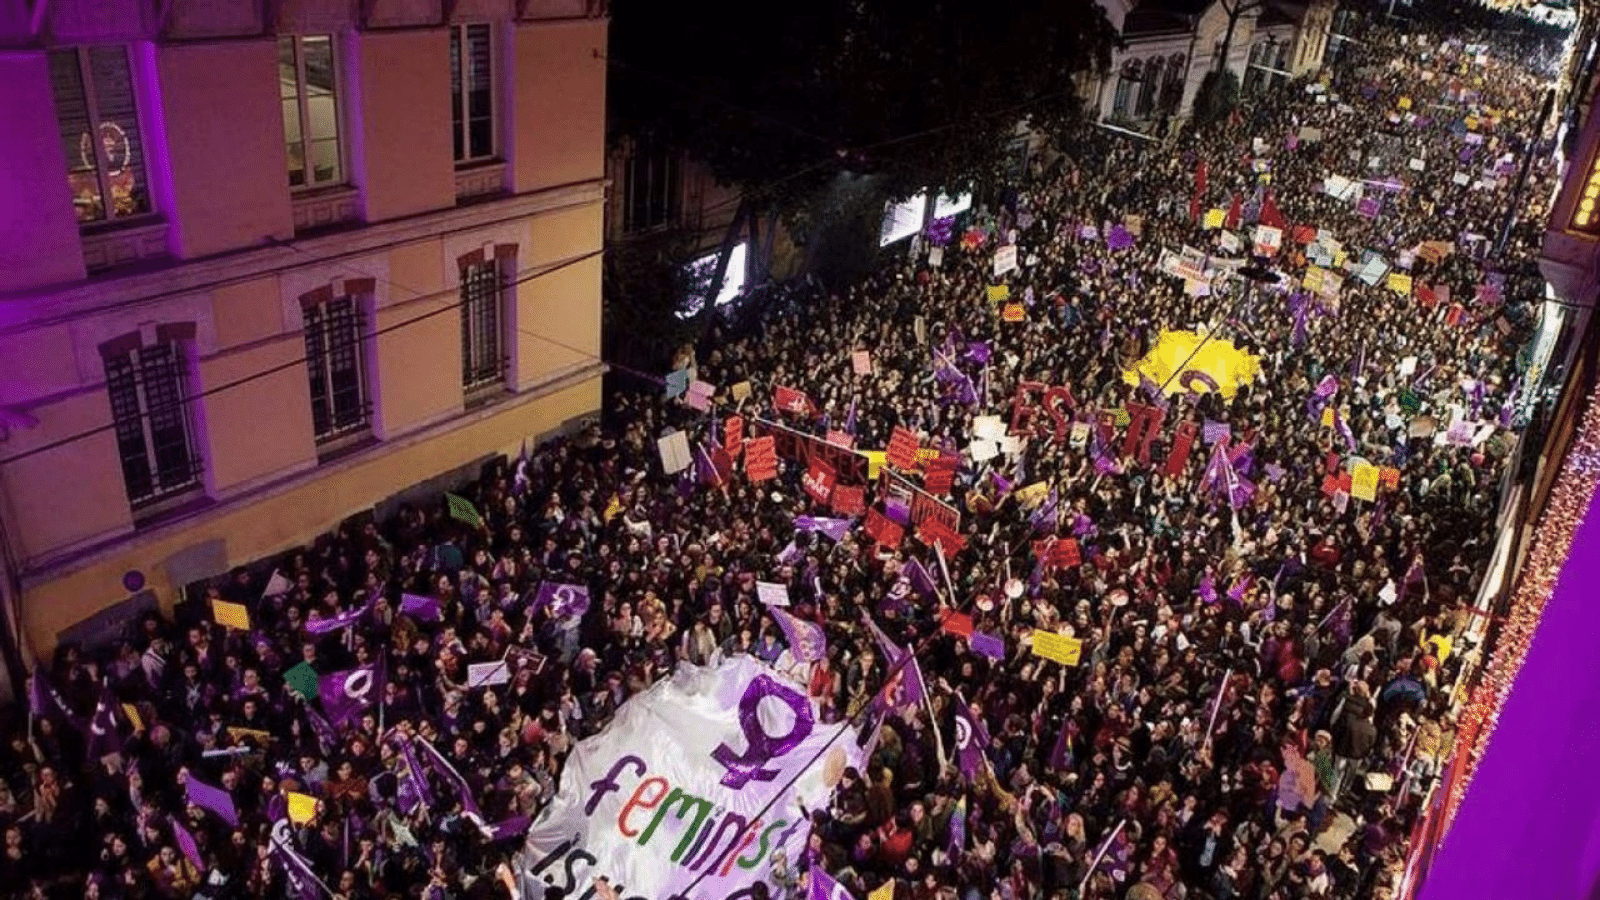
<point x="130" y="355"/>
<point x="319" y="322"/>
<point x="663" y="171"/>
<point x="341" y="132"/>
<point x="488" y="382"/>
<point x="91" y="106"/>
<point x="463" y="130"/>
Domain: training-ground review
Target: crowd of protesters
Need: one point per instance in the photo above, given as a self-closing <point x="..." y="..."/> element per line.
<point x="1263" y="690"/>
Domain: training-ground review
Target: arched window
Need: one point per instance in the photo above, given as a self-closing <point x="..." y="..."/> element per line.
<point x="1131" y="74"/>
<point x="1147" y="89"/>
<point x="1172" y="87"/>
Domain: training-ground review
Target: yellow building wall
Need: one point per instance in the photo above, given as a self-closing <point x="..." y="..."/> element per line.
<point x="36" y="363"/>
<point x="262" y="427"/>
<point x="252" y="530"/>
<point x="229" y="171"/>
<point x="72" y="493"/>
<point x="405" y="146"/>
<point x="415" y="271"/>
<point x="246" y="312"/>
<point x="557" y="327"/>
<point x="419" y="366"/>
<point x="558" y="128"/>
<point x="41" y="247"/>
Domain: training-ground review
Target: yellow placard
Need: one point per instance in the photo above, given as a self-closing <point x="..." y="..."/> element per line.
<point x="134" y="719"/>
<point x="1055" y="647"/>
<point x="1214" y="219"/>
<point x="1364" y="482"/>
<point x="1340" y="258"/>
<point x="231" y="615"/>
<point x="999" y="292"/>
<point x="740" y="391"/>
<point x="237" y="733"/>
<point x="302" y="807"/>
<point x="875" y="460"/>
<point x="1405" y="102"/>
<point x="1327" y="417"/>
<point x="614" y="508"/>
<point x="1400" y="283"/>
<point x="884" y="891"/>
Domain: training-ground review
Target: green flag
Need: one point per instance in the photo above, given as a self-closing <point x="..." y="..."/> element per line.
<point x="302" y="679"/>
<point x="461" y="509"/>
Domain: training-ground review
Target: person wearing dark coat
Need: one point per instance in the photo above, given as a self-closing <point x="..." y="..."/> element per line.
<point x="1354" y="733"/>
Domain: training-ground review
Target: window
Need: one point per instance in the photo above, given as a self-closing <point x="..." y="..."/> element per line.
<point x="308" y="86"/>
<point x="150" y="412"/>
<point x="650" y="198"/>
<point x="472" y="92"/>
<point x="1122" y="101"/>
<point x="482" y="314"/>
<point x="100" y="135"/>
<point x="1147" y="90"/>
<point x="1172" y="91"/>
<point x="334" y="366"/>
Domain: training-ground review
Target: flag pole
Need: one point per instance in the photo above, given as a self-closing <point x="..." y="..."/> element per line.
<point x="1100" y="856"/>
<point x="1216" y="705"/>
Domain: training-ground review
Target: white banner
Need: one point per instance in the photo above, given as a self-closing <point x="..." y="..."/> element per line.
<point x="668" y="801"/>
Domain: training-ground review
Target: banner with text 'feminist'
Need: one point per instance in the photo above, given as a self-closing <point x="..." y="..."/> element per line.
<point x="668" y="801"/>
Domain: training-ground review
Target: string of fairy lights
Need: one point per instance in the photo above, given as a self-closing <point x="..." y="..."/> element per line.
<point x="1569" y="501"/>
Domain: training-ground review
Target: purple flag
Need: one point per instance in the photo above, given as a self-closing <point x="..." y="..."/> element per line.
<point x="1153" y="392"/>
<point x="807" y="641"/>
<point x="833" y="528"/>
<point x="1119" y="238"/>
<point x="341" y="620"/>
<point x="897" y="510"/>
<point x="958" y="828"/>
<point x="850" y="418"/>
<point x="1208" y="589"/>
<point x="1213" y="431"/>
<point x="1274" y="472"/>
<point x="417" y="606"/>
<point x="564" y="600"/>
<point x="1047" y="518"/>
<point x="212" y="799"/>
<point x="191" y="850"/>
<point x="1236" y="593"/>
<point x="990" y="645"/>
<point x="920" y="580"/>
<point x="436" y="761"/>
<point x="327" y="738"/>
<point x="346" y="694"/>
<point x="105" y="728"/>
<point x="411" y="784"/>
<point x="515" y="826"/>
<point x="1327" y="387"/>
<point x="971" y="739"/>
<point x="48" y="703"/>
<point x="821" y="886"/>
<point x="302" y="879"/>
<point x="978" y="352"/>
<point x="1061" y="753"/>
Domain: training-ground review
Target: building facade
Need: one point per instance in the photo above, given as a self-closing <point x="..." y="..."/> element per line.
<point x="263" y="264"/>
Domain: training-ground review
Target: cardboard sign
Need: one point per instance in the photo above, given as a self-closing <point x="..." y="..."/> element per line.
<point x="998" y="293"/>
<point x="1364" y="482"/>
<point x="880" y="529"/>
<point x="792" y="401"/>
<point x="1013" y="312"/>
<point x="819" y="481"/>
<point x="674" y="450"/>
<point x="761" y="459"/>
<point x="840" y="439"/>
<point x="1052" y="646"/>
<point x="861" y="362"/>
<point x="935" y="533"/>
<point x="733" y="436"/>
<point x="488" y="674"/>
<point x="772" y="594"/>
<point x="231" y="615"/>
<point x="902" y="450"/>
<point x="957" y="623"/>
<point x="940" y="475"/>
<point x="1005" y="260"/>
<point x="848" y="500"/>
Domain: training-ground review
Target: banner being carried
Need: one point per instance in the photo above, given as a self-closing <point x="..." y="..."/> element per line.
<point x="671" y="800"/>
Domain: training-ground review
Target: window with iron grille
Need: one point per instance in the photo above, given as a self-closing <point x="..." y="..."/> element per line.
<point x="98" y="120"/>
<point x="150" y="411"/>
<point x="482" y="324"/>
<point x="472" y="92"/>
<point x="334" y="367"/>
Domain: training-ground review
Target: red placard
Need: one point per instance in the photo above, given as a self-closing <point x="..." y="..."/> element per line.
<point x="761" y="459"/>
<point x="1389" y="478"/>
<point x="1330" y="484"/>
<point x="941" y="474"/>
<point x="957" y="623"/>
<point x="1058" y="553"/>
<point x="849" y="500"/>
<point x="819" y="481"/>
<point x="733" y="435"/>
<point x="790" y="400"/>
<point x="934" y="532"/>
<point x="1013" y="312"/>
<point x="902" y="450"/>
<point x="840" y="439"/>
<point x="880" y="529"/>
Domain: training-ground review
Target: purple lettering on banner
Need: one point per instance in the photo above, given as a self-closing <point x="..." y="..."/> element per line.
<point x="749" y="766"/>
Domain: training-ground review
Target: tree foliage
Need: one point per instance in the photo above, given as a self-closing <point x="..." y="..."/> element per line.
<point x="1217" y="97"/>
<point x="779" y="100"/>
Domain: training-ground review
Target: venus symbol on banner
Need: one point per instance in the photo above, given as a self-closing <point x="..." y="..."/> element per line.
<point x="761" y="746"/>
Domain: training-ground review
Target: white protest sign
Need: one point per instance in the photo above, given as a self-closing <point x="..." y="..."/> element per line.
<point x="989" y="428"/>
<point x="487" y="674"/>
<point x="772" y="594"/>
<point x="1005" y="260"/>
<point x="675" y="456"/>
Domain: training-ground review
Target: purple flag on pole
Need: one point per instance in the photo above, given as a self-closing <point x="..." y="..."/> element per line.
<point x="346" y="694"/>
<point x="105" y="729"/>
<point x="821" y="886"/>
<point x="920" y="580"/>
<point x="1327" y="387"/>
<point x="302" y="879"/>
<point x="417" y="606"/>
<point x="564" y="600"/>
<point x="411" y="784"/>
<point x="340" y="620"/>
<point x="1208" y="589"/>
<point x="191" y="850"/>
<point x="978" y="352"/>
<point x="48" y="703"/>
<point x="833" y="528"/>
<point x="212" y="799"/>
<point x="971" y="739"/>
<point x="990" y="645"/>
<point x="1061" y="753"/>
<point x="437" y="762"/>
<point x="807" y="641"/>
<point x="327" y="738"/>
<point x="897" y="510"/>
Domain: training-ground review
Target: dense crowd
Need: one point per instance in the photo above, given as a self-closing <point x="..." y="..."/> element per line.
<point x="1263" y="690"/>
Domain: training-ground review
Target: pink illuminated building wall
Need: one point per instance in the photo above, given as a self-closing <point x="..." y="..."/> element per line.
<point x="264" y="263"/>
